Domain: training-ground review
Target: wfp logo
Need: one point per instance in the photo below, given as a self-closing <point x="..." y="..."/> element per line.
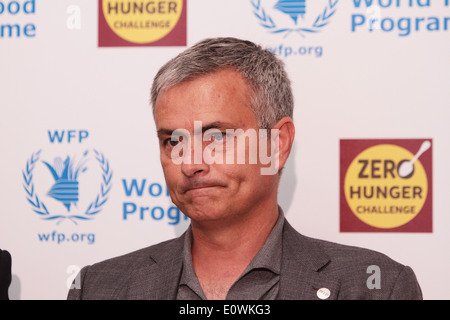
<point x="65" y="188"/>
<point x="299" y="17"/>
<point x="67" y="182"/>
<point x="292" y="8"/>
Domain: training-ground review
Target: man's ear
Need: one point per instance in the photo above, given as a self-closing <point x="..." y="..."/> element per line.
<point x="286" y="134"/>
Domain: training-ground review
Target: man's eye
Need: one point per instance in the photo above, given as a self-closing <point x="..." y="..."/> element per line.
<point x="217" y="136"/>
<point x="173" y="141"/>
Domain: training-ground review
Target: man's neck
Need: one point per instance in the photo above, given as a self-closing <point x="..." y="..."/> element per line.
<point x="222" y="250"/>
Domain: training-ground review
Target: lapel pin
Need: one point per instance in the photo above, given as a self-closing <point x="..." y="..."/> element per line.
<point x="323" y="293"/>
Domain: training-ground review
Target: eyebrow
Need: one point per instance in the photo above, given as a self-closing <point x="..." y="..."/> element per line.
<point x="164" y="132"/>
<point x="221" y="125"/>
<point x="218" y="125"/>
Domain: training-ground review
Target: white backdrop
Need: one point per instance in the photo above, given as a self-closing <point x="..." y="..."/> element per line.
<point x="349" y="83"/>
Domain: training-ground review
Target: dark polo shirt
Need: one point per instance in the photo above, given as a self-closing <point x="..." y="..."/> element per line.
<point x="259" y="281"/>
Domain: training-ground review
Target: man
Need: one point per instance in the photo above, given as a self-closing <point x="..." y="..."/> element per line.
<point x="239" y="245"/>
<point x="5" y="274"/>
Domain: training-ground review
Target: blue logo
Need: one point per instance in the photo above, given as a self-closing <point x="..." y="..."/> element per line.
<point x="65" y="188"/>
<point x="66" y="175"/>
<point x="293" y="8"/>
<point x="304" y="17"/>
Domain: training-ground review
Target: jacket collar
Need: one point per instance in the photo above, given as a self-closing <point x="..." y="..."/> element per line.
<point x="157" y="278"/>
<point x="302" y="270"/>
<point x="302" y="267"/>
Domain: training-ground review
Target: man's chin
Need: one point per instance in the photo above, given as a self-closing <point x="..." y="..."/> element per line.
<point x="204" y="212"/>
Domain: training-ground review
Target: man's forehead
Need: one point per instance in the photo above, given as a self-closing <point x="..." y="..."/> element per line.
<point x="214" y="98"/>
<point x="227" y="79"/>
<point x="198" y="127"/>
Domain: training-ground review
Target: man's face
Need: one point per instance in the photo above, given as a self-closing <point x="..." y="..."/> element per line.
<point x="211" y="192"/>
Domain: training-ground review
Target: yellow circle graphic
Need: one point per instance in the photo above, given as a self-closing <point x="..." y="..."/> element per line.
<point x="375" y="191"/>
<point x="142" y="21"/>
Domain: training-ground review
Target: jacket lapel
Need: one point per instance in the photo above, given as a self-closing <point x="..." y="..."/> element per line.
<point x="302" y="267"/>
<point x="158" y="278"/>
<point x="302" y="271"/>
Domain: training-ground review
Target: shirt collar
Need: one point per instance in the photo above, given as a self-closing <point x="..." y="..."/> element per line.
<point x="188" y="276"/>
<point x="268" y="257"/>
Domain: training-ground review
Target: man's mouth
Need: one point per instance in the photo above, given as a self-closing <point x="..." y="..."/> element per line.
<point x="198" y="187"/>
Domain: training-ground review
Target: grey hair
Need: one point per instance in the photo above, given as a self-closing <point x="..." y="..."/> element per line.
<point x="272" y="97"/>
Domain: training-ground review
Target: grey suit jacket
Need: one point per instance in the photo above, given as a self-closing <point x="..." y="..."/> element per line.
<point x="307" y="265"/>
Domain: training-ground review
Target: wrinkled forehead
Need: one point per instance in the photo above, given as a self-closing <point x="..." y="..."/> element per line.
<point x="221" y="96"/>
<point x="174" y="78"/>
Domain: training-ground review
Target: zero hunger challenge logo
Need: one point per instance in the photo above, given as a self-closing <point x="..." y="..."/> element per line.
<point x="142" y="23"/>
<point x="386" y="185"/>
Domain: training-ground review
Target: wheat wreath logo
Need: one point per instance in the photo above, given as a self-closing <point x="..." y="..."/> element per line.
<point x="65" y="188"/>
<point x="297" y="11"/>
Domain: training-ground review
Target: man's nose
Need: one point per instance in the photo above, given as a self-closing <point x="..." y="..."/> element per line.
<point x="191" y="170"/>
<point x="197" y="165"/>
